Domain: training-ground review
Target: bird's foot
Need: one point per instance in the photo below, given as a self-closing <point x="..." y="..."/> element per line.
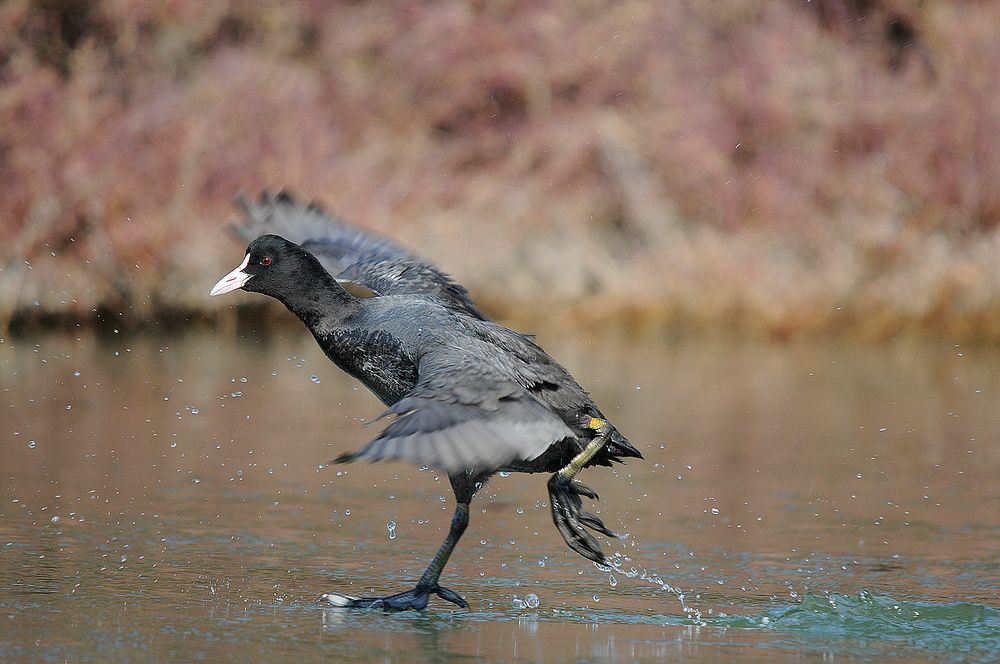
<point x="415" y="599"/>
<point x="564" y="496"/>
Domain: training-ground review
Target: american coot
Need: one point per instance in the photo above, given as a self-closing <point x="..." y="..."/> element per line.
<point x="469" y="396"/>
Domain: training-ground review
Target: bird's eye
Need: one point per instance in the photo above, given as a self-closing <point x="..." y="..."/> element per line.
<point x="266" y="260"/>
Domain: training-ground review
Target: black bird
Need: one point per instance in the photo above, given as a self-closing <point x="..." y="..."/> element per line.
<point x="469" y="396"/>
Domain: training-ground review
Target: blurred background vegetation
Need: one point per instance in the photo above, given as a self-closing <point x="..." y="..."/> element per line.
<point x="768" y="169"/>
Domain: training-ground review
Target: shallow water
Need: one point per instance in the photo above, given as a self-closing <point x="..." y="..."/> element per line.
<point x="170" y="497"/>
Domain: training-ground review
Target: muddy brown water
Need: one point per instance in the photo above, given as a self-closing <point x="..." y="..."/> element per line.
<point x="169" y="497"/>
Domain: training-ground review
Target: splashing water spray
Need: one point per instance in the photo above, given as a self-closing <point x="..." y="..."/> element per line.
<point x="617" y="563"/>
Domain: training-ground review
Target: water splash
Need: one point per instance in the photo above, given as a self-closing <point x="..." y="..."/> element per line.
<point x="617" y="563"/>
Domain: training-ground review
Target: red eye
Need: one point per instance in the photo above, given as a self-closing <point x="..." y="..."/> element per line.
<point x="265" y="260"/>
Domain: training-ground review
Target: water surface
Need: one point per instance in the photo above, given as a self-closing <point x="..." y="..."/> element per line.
<point x="170" y="497"/>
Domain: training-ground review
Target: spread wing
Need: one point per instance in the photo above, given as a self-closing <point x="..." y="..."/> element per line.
<point x="350" y="254"/>
<point x="464" y="414"/>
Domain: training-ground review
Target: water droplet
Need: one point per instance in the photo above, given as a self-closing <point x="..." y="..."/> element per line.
<point x="613" y="580"/>
<point x="237" y="394"/>
<point x="194" y="411"/>
<point x="715" y="510"/>
<point x="347" y="512"/>
<point x="392" y="529"/>
<point x="76" y="373"/>
<point x="54" y="519"/>
<point x="520" y="510"/>
<point x="503" y="473"/>
<point x="597" y="598"/>
<point x="243" y="379"/>
<point x="517" y="603"/>
<point x="173" y="443"/>
<point x="31" y="444"/>
<point x="541" y="562"/>
<point x="531" y="599"/>
<point x="314" y="378"/>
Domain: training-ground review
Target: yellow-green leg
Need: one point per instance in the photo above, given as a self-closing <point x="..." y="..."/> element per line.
<point x="564" y="497"/>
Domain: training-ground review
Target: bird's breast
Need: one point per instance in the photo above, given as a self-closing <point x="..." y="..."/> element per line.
<point x="376" y="358"/>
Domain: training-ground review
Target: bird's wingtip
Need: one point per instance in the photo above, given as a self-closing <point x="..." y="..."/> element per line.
<point x="346" y="457"/>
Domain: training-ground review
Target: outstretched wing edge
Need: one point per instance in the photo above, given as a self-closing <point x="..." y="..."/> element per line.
<point x="350" y="254"/>
<point x="442" y="425"/>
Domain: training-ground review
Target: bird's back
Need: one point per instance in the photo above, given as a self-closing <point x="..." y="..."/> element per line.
<point x="386" y="340"/>
<point x="549" y="382"/>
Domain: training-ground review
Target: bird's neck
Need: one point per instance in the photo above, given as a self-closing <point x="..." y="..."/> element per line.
<point x="321" y="302"/>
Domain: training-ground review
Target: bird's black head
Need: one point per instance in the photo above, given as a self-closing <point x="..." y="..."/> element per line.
<point x="273" y="266"/>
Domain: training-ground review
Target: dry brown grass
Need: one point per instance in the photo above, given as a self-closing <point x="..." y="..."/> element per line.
<point x="769" y="168"/>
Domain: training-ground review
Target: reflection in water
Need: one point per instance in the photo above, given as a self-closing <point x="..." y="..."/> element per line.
<point x="171" y="495"/>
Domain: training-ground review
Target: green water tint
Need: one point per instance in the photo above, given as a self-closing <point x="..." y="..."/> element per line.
<point x="859" y="625"/>
<point x="959" y="627"/>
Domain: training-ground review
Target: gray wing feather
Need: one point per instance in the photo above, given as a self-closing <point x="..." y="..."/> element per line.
<point x="441" y="424"/>
<point x="337" y="243"/>
<point x="347" y="252"/>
